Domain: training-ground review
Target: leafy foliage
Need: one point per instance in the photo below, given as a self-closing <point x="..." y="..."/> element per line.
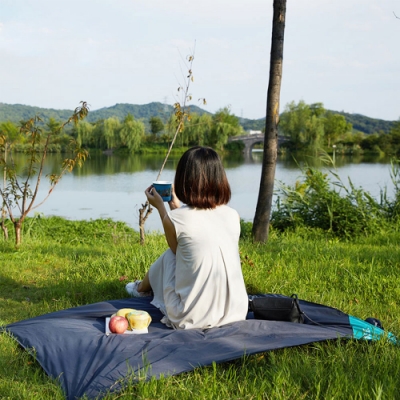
<point x="311" y="126"/>
<point x="17" y="112"/>
<point x="225" y="124"/>
<point x="156" y="125"/>
<point x="245" y="229"/>
<point x="360" y="123"/>
<point x="253" y="124"/>
<point x="344" y="211"/>
<point x="20" y="193"/>
<point x="130" y="134"/>
<point x="237" y="146"/>
<point x="366" y="124"/>
<point x="388" y="143"/>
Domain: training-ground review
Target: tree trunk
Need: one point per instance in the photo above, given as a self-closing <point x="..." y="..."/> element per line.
<point x="4" y="229"/>
<point x="17" y="230"/>
<point x="144" y="213"/>
<point x="264" y="203"/>
<point x="3" y="209"/>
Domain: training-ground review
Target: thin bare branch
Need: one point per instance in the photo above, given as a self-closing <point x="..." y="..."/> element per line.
<point x="180" y="111"/>
<point x="68" y="166"/>
<point x="39" y="177"/>
<point x="181" y="115"/>
<point x="9" y="209"/>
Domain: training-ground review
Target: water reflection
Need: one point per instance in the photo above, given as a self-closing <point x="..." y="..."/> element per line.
<point x="100" y="164"/>
<point x="113" y="186"/>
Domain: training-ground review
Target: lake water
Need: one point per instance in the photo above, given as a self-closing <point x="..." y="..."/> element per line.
<point x="113" y="186"/>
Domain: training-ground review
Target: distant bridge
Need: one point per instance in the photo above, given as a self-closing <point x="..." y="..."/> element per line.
<point x="250" y="141"/>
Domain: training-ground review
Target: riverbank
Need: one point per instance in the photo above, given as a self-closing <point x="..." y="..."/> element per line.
<point x="64" y="264"/>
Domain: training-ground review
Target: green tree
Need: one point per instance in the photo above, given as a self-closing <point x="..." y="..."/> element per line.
<point x="315" y="133"/>
<point x="156" y="126"/>
<point x="111" y="127"/>
<point x="395" y="137"/>
<point x="21" y="193"/>
<point x="9" y="134"/>
<point x="317" y="109"/>
<point x="386" y="143"/>
<point x="395" y="128"/>
<point x="60" y="140"/>
<point x="294" y="123"/>
<point x="311" y="126"/>
<point x="131" y="133"/>
<point x="370" y="143"/>
<point x="171" y="126"/>
<point x="202" y="128"/>
<point x="335" y="125"/>
<point x="224" y="125"/>
<point x="98" y="136"/>
<point x="351" y="140"/>
<point x="10" y="130"/>
<point x="53" y="125"/>
<point x="196" y="129"/>
<point x="84" y="134"/>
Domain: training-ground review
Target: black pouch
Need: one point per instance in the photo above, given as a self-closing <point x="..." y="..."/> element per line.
<point x="277" y="308"/>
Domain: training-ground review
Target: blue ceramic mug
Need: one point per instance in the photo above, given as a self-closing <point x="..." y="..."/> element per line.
<point x="164" y="189"/>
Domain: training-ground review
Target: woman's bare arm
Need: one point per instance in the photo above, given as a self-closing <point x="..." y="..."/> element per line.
<point x="169" y="229"/>
<point x="170" y="233"/>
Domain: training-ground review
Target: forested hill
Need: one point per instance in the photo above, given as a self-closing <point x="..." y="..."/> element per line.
<point x="145" y="111"/>
<point x="17" y="112"/>
<point x="367" y="125"/>
<point x="360" y="123"/>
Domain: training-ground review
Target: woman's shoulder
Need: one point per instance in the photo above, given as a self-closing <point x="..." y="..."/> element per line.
<point x="182" y="209"/>
<point x="227" y="210"/>
<point x="193" y="212"/>
<point x="219" y="209"/>
<point x="180" y="213"/>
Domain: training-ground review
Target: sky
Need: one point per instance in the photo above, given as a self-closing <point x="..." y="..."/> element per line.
<point x="342" y="53"/>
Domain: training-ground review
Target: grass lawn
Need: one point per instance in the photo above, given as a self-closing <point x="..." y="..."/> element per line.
<point x="63" y="264"/>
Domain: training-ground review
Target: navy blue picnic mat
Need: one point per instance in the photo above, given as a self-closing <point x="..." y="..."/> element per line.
<point x="72" y="345"/>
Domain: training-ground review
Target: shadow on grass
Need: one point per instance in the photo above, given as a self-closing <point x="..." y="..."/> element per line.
<point x="27" y="300"/>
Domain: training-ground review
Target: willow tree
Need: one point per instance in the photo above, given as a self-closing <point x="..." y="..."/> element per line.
<point x="131" y="133"/>
<point x="264" y="202"/>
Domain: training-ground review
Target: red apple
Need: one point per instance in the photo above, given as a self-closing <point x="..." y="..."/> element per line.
<point x="118" y="324"/>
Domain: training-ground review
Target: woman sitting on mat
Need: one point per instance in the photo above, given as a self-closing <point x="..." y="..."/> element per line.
<point x="198" y="281"/>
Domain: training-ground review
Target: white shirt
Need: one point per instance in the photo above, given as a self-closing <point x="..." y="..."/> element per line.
<point x="206" y="287"/>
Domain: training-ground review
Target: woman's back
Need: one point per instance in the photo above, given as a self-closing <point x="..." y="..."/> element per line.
<point x="209" y="287"/>
<point x="203" y="234"/>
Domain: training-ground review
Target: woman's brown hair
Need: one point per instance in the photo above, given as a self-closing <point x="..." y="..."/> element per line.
<point x="200" y="179"/>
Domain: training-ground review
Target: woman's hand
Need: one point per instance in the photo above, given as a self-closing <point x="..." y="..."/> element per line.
<point x="157" y="202"/>
<point x="174" y="202"/>
<point x="154" y="198"/>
